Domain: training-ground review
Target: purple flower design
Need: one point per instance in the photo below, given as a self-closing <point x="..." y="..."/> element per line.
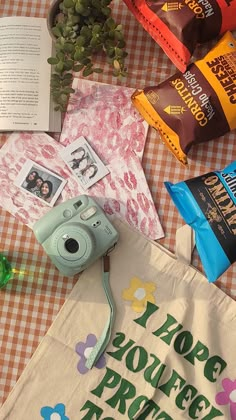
<point x="84" y="350"/>
<point x="228" y="396"/>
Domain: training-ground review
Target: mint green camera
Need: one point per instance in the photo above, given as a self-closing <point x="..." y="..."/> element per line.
<point x="76" y="233"/>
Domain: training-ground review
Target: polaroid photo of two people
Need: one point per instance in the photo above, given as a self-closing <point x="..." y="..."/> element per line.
<point x="84" y="163"/>
<point x="47" y="186"/>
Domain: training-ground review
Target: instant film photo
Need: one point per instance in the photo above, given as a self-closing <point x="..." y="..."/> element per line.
<point x="36" y="180"/>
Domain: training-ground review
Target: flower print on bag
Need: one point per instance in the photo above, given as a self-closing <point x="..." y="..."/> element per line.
<point x="139" y="293"/>
<point x="84" y="350"/>
<point x="228" y="396"/>
<point x="56" y="413"/>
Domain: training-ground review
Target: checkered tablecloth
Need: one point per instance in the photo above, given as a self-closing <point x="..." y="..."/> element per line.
<point x="32" y="299"/>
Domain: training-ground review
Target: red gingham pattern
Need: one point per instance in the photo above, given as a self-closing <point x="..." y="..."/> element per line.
<point x="32" y="299"/>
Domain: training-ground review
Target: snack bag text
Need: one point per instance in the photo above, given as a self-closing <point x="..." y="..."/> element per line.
<point x="196" y="106"/>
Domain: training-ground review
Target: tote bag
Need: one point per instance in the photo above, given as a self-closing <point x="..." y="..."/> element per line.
<point x="171" y="354"/>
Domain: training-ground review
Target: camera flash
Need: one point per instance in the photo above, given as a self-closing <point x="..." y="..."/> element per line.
<point x="86" y="214"/>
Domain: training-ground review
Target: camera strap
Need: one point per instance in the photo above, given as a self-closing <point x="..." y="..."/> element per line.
<point x="104" y="339"/>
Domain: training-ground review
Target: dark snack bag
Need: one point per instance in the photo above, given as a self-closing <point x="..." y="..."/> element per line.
<point x="196" y="106"/>
<point x="208" y="204"/>
<point x="178" y="26"/>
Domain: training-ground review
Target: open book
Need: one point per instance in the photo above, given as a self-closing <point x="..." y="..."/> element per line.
<point x="25" y="103"/>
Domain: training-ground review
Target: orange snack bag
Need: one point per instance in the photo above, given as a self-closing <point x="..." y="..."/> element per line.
<point x="196" y="106"/>
<point x="178" y="26"/>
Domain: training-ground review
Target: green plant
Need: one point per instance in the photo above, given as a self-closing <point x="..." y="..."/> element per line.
<point x="82" y="29"/>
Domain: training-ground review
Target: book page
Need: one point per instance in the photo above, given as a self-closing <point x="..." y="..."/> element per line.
<point x="25" y="45"/>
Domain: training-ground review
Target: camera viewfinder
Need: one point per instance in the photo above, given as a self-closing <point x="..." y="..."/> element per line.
<point x="77" y="204"/>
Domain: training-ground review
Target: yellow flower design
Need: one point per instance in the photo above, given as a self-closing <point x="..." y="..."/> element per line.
<point x="139" y="293"/>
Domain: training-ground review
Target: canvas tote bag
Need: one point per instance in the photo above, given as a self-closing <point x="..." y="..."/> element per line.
<point x="172" y="352"/>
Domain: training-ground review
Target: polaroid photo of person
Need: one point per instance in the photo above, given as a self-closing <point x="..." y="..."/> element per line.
<point x="84" y="162"/>
<point x="40" y="182"/>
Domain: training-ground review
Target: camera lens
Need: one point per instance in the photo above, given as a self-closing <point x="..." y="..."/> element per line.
<point x="71" y="245"/>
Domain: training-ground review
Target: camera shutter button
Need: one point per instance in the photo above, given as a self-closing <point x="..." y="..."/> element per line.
<point x="67" y="213"/>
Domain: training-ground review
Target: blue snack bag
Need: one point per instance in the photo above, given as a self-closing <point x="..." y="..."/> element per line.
<point x="208" y="204"/>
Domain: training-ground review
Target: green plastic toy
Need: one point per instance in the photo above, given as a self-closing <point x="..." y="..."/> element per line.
<point x="5" y="271"/>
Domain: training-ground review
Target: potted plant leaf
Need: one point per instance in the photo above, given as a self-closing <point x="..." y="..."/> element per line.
<point x="81" y="29"/>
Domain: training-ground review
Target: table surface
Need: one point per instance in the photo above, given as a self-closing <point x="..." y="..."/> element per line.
<point x="30" y="302"/>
